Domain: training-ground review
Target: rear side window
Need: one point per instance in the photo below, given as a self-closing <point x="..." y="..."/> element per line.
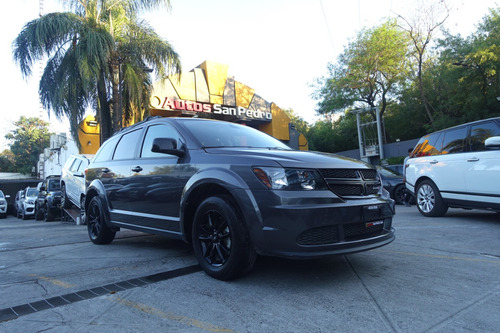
<point x="75" y="165"/>
<point x="429" y="145"/>
<point x="480" y="132"/>
<point x="106" y="150"/>
<point x="453" y="141"/>
<point x="126" y="147"/>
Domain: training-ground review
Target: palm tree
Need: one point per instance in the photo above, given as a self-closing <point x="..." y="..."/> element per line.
<point x="99" y="55"/>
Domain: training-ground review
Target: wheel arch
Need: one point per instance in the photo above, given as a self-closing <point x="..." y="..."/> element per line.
<point x="96" y="188"/>
<point x="212" y="182"/>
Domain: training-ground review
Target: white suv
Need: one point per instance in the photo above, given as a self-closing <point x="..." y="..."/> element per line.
<point x="73" y="180"/>
<point x="457" y="167"/>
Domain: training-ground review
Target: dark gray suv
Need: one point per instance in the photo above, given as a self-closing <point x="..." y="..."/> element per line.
<point x="233" y="192"/>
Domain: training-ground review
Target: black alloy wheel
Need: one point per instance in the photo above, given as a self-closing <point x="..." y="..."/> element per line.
<point x="99" y="232"/>
<point x="220" y="240"/>
<point x="399" y="194"/>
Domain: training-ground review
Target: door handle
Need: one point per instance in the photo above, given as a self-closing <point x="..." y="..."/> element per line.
<point x="137" y="169"/>
<point x="473" y="159"/>
<point x="433" y="162"/>
<point x="105" y="170"/>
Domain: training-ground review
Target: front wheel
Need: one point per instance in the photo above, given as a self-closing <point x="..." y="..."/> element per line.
<point x="429" y="200"/>
<point x="220" y="239"/>
<point x="98" y="230"/>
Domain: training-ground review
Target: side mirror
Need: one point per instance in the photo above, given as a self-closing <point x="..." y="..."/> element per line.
<point x="492" y="143"/>
<point x="167" y="146"/>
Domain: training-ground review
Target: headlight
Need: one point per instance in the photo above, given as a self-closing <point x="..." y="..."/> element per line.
<point x="290" y="179"/>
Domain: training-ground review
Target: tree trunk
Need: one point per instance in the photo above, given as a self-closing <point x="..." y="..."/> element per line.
<point x="117" y="112"/>
<point x="104" y="113"/>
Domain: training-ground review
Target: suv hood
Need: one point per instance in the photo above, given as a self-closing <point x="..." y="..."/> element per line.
<point x="291" y="158"/>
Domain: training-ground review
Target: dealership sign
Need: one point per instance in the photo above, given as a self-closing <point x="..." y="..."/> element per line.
<point x="190" y="106"/>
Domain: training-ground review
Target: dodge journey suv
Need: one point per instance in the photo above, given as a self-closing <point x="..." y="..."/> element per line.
<point x="457" y="167"/>
<point x="233" y="192"/>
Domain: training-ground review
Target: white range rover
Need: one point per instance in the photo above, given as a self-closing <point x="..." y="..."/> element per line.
<point x="457" y="167"/>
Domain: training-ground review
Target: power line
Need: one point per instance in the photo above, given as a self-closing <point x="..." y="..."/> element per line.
<point x="327" y="26"/>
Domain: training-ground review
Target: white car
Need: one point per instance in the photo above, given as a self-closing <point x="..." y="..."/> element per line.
<point x="27" y="204"/>
<point x="73" y="180"/>
<point x="3" y="204"/>
<point x="457" y="167"/>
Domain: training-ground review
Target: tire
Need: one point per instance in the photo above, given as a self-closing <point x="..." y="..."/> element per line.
<point x="399" y="194"/>
<point x="38" y="213"/>
<point x="99" y="232"/>
<point x="220" y="239"/>
<point x="429" y="200"/>
<point x="48" y="214"/>
<point x="65" y="203"/>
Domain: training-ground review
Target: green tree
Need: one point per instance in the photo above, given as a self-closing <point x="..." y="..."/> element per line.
<point x="30" y="137"/>
<point x="372" y="70"/>
<point x="99" y="55"/>
<point x="7" y="160"/>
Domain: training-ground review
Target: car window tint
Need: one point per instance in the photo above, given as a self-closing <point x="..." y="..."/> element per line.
<point x="106" y="150"/>
<point x="429" y="145"/>
<point x="126" y="147"/>
<point x="453" y="141"/>
<point x="480" y="132"/>
<point x="158" y="131"/>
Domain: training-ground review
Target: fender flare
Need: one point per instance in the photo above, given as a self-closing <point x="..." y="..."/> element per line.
<point x="230" y="181"/>
<point x="96" y="187"/>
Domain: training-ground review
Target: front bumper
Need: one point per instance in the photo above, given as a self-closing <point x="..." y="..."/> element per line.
<point x="315" y="224"/>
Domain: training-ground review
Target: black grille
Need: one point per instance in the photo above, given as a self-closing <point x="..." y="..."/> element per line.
<point x="319" y="236"/>
<point x="352" y="182"/>
<point x="330" y="234"/>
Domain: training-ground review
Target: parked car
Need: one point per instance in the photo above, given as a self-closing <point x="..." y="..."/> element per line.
<point x="73" y="180"/>
<point x="393" y="182"/>
<point x="27" y="205"/>
<point x="457" y="167"/>
<point x="396" y="167"/>
<point x="3" y="204"/>
<point x="48" y="204"/>
<point x="233" y="192"/>
<point x="17" y="203"/>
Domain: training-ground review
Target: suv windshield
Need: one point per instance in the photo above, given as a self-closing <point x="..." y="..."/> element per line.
<point x="216" y="134"/>
<point x="32" y="192"/>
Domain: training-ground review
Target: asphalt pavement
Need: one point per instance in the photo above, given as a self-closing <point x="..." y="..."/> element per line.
<point x="439" y="275"/>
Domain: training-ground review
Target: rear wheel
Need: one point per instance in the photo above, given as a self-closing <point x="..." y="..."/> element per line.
<point x="65" y="203"/>
<point x="399" y="194"/>
<point x="98" y="230"/>
<point x="220" y="239"/>
<point x="429" y="200"/>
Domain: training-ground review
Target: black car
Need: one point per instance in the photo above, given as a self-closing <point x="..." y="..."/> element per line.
<point x="233" y="192"/>
<point x="48" y="203"/>
<point x="393" y="182"/>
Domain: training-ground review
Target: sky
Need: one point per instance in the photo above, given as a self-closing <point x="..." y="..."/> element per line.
<point x="277" y="47"/>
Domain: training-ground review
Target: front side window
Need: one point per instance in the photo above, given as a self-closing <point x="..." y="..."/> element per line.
<point x="158" y="131"/>
<point x="480" y="132"/>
